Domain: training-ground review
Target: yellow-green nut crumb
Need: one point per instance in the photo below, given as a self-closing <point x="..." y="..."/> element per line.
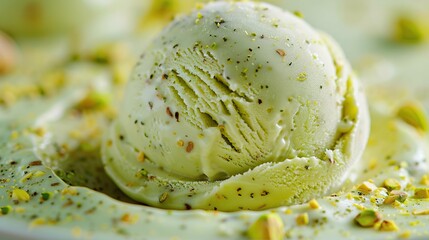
<point x="302" y="77"/>
<point x="298" y="14"/>
<point x="405" y="234"/>
<point x="392" y="184"/>
<point x="268" y="226"/>
<point x="313" y="204"/>
<point x="366" y="187"/>
<point x="396" y="195"/>
<point x="20" y="195"/>
<point x="46" y="196"/>
<point x="421" y="193"/>
<point x="5" y="210"/>
<point x="425" y="180"/>
<point x="302" y="219"/>
<point x="367" y="218"/>
<point x="421" y="212"/>
<point x="163" y="197"/>
<point x="388" y="226"/>
<point x="409" y="30"/>
<point x="414" y="115"/>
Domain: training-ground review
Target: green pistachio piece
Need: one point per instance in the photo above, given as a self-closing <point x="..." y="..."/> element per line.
<point x="46" y="196"/>
<point x="388" y="226"/>
<point x="392" y="184"/>
<point x="367" y="218"/>
<point x="366" y="187"/>
<point x="414" y="115"/>
<point x="409" y="30"/>
<point x="5" y="210"/>
<point x="396" y="195"/>
<point x="268" y="226"/>
<point x="421" y="193"/>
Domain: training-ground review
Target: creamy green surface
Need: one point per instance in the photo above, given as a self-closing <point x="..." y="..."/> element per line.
<point x="397" y="148"/>
<point x="237" y="106"/>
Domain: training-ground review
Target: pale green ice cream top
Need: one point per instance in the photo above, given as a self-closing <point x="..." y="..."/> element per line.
<point x="237" y="106"/>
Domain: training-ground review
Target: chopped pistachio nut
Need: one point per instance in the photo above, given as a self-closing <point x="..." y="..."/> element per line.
<point x="366" y="187"/>
<point x="140" y="157"/>
<point x="367" y="218"/>
<point x="46" y="196"/>
<point x="93" y="101"/>
<point x="129" y="218"/>
<point x="5" y="210"/>
<point x="69" y="191"/>
<point x="302" y="77"/>
<point x="388" y="226"/>
<point x="302" y="219"/>
<point x="268" y="226"/>
<point x="421" y="193"/>
<point x="298" y="14"/>
<point x="392" y="184"/>
<point x="37" y="222"/>
<point x="396" y="195"/>
<point x="421" y="212"/>
<point x="405" y="234"/>
<point x="20" y="195"/>
<point x="163" y="197"/>
<point x="425" y="180"/>
<point x="313" y="204"/>
<point x="414" y="115"/>
<point x="409" y="30"/>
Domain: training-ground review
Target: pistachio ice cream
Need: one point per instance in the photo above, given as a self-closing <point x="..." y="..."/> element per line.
<point x="237" y="106"/>
<point x="55" y="111"/>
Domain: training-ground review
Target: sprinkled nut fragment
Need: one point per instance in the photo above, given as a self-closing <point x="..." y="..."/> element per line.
<point x="281" y="52"/>
<point x="313" y="204"/>
<point x="421" y="212"/>
<point x="367" y="218"/>
<point x="302" y="77"/>
<point x="46" y="196"/>
<point x="298" y="14"/>
<point x="366" y="187"/>
<point x="163" y="197"/>
<point x="425" y="180"/>
<point x="409" y="30"/>
<point x="140" y="157"/>
<point x="388" y="226"/>
<point x="190" y="147"/>
<point x="20" y="195"/>
<point x="5" y="210"/>
<point x="396" y="195"/>
<point x="268" y="226"/>
<point x="38" y="222"/>
<point x="69" y="191"/>
<point x="421" y="193"/>
<point x="129" y="218"/>
<point x="26" y="177"/>
<point x="180" y="143"/>
<point x="38" y="174"/>
<point x="302" y="219"/>
<point x="392" y="184"/>
<point x="405" y="234"/>
<point x="414" y="115"/>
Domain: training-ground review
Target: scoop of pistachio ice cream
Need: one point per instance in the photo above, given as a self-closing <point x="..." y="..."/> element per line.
<point x="237" y="106"/>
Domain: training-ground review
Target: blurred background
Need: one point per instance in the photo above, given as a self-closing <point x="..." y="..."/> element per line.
<point x="387" y="41"/>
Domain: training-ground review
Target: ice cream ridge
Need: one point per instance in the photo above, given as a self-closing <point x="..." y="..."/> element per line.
<point x="237" y="106"/>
